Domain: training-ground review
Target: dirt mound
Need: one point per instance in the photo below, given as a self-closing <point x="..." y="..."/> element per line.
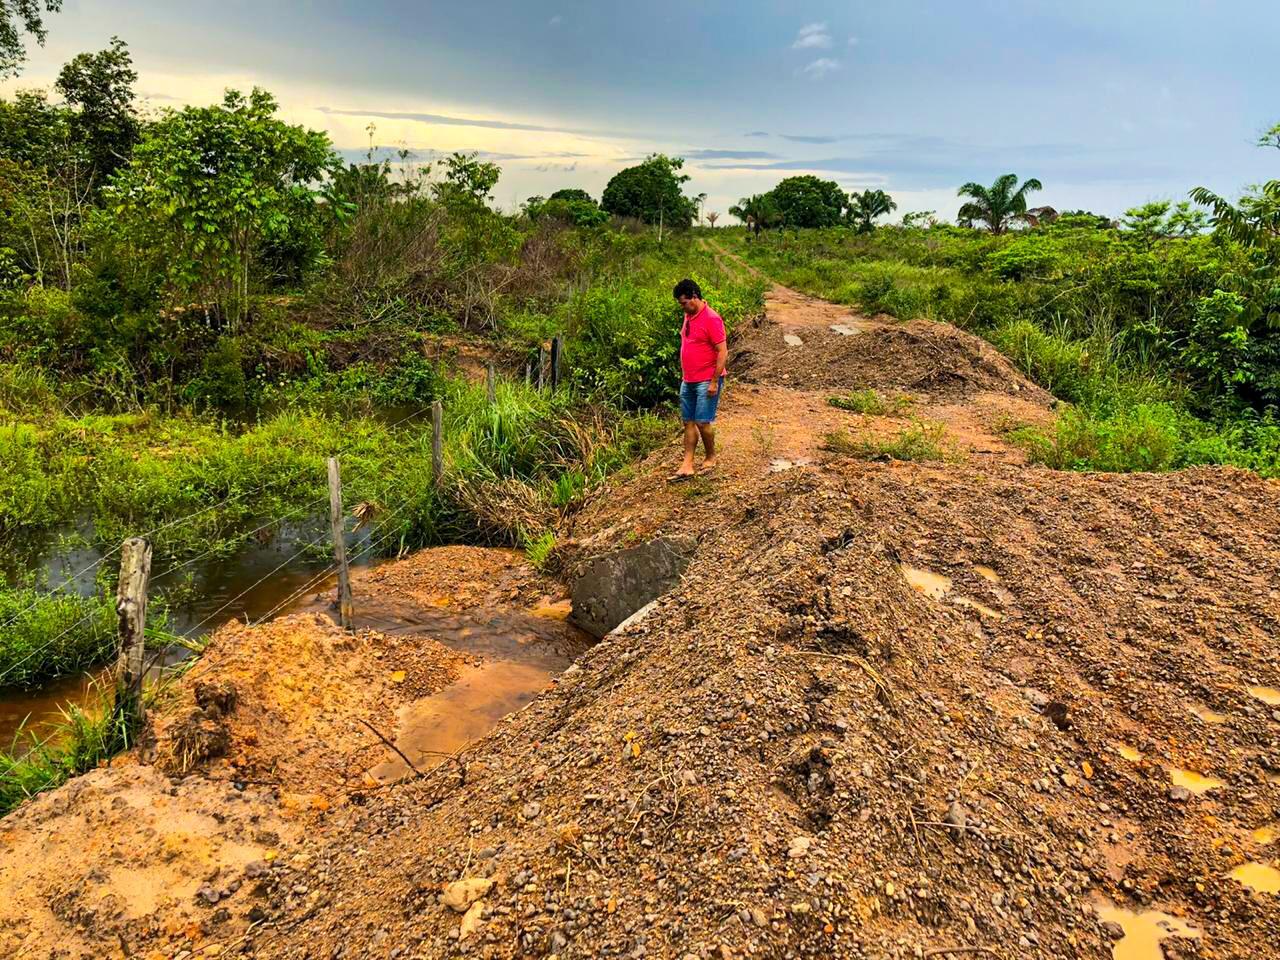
<point x="813" y="756"/>
<point x="299" y="690"/>
<point x="890" y="710"/>
<point x="921" y="358"/>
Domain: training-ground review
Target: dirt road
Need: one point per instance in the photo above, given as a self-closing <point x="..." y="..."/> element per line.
<point x="894" y="709"/>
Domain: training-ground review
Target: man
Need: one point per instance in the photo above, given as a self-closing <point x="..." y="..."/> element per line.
<point x="703" y="355"/>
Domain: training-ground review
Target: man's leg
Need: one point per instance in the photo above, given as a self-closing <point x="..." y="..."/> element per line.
<point x="690" y="445"/>
<point x="708" y="433"/>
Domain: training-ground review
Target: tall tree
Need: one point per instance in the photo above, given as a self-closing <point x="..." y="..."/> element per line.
<point x="998" y="205"/>
<point x="17" y="16"/>
<point x="99" y="89"/>
<point x="807" y="201"/>
<point x="867" y="206"/>
<point x="209" y="188"/>
<point x="652" y="192"/>
<point x="1256" y="219"/>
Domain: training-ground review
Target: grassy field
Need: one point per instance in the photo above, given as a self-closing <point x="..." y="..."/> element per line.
<point x="1145" y="339"/>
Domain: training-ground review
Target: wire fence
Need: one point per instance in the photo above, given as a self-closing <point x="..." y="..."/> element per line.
<point x="275" y="521"/>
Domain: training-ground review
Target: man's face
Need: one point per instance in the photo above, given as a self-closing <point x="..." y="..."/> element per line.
<point x="690" y="305"/>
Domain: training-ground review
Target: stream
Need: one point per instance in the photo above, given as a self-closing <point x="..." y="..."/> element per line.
<point x="245" y="585"/>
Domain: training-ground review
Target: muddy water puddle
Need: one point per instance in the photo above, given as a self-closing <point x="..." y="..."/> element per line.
<point x="1258" y="877"/>
<point x="1195" y="782"/>
<point x="937" y="587"/>
<point x="431" y="729"/>
<point x="1143" y="931"/>
<point x="1205" y="715"/>
<point x="521" y="652"/>
<point x="1268" y="695"/>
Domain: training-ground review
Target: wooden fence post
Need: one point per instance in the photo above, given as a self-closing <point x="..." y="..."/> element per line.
<point x="542" y="364"/>
<point x="493" y="387"/>
<point x="528" y="373"/>
<point x="131" y="611"/>
<point x="555" y="362"/>
<point x="339" y="544"/>
<point x="437" y="444"/>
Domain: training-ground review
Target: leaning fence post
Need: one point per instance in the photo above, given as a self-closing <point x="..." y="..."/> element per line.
<point x="131" y="612"/>
<point x="555" y="362"/>
<point x="542" y="364"/>
<point x="437" y="444"/>
<point x="528" y="373"/>
<point x="493" y="388"/>
<point x="339" y="544"/>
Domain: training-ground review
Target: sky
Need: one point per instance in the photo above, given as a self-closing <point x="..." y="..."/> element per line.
<point x="1109" y="104"/>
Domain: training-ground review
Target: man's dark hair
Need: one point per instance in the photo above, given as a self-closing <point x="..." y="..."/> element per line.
<point x="687" y="288"/>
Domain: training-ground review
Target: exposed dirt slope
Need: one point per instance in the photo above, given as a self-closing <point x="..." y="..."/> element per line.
<point x="893" y="708"/>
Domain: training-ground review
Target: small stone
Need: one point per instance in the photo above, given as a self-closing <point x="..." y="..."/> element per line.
<point x="470" y="920"/>
<point x="531" y="810"/>
<point x="1113" y="930"/>
<point x="1179" y="794"/>
<point x="461" y="894"/>
<point x="957" y="817"/>
<point x="799" y="847"/>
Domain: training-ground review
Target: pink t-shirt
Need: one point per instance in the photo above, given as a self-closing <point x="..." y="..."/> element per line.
<point x="700" y="339"/>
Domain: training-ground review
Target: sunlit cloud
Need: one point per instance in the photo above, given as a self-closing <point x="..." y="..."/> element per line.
<point x="812" y="36"/>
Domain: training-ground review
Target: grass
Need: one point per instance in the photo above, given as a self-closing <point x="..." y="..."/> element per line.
<point x="81" y="740"/>
<point x="921" y="441"/>
<point x="1096" y="321"/>
<point x="538" y="550"/>
<point x="44" y="635"/>
<point x="871" y="402"/>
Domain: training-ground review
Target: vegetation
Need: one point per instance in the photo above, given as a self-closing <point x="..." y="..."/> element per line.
<point x="872" y="402"/>
<point x="197" y="309"/>
<point x="867" y="207"/>
<point x="651" y="192"/>
<point x="921" y="441"/>
<point x="1165" y="338"/>
<point x="997" y="206"/>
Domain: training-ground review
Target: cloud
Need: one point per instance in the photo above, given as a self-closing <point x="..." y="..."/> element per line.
<point x="812" y="36"/>
<point x="555" y="21"/>
<point x="820" y="67"/>
<point x="854" y="41"/>
<point x="445" y="120"/>
<point x="814" y="138"/>
<point x="729" y="155"/>
<point x="757" y="133"/>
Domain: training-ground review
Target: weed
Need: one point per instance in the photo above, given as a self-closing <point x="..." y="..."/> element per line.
<point x="871" y="402"/>
<point x="920" y="441"/>
<point x="538" y="550"/>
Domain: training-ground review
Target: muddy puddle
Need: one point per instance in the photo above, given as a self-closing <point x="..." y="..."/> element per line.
<point x="1195" y="782"/>
<point x="1143" y="932"/>
<point x="521" y="652"/>
<point x="1258" y="877"/>
<point x="937" y="587"/>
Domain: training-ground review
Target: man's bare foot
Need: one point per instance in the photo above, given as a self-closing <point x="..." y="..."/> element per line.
<point x="708" y="466"/>
<point x="684" y="472"/>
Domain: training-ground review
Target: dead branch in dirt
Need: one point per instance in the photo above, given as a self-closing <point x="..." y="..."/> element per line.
<point x="936" y="951"/>
<point x="392" y="747"/>
<point x="881" y="685"/>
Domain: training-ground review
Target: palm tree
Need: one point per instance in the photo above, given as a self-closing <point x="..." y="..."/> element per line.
<point x="997" y="205"/>
<point x="712" y="217"/>
<point x="757" y="211"/>
<point x="866" y="206"/>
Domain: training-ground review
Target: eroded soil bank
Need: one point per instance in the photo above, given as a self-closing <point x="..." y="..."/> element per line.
<point x="891" y="708"/>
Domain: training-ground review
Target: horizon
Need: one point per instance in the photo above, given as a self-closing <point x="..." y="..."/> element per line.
<point x="565" y="95"/>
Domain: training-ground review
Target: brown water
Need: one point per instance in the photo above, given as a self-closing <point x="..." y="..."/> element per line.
<point x="1195" y="782"/>
<point x="1257" y="877"/>
<point x="936" y="587"/>
<point x="247" y="586"/>
<point x="1268" y="695"/>
<point x="1129" y="753"/>
<point x="1206" y="715"/>
<point x="1143" y="931"/>
<point x="432" y="728"/>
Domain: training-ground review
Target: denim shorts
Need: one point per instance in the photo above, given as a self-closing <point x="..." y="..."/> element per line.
<point x="695" y="405"/>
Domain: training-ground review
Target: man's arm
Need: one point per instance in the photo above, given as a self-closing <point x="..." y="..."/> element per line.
<point x="722" y="361"/>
